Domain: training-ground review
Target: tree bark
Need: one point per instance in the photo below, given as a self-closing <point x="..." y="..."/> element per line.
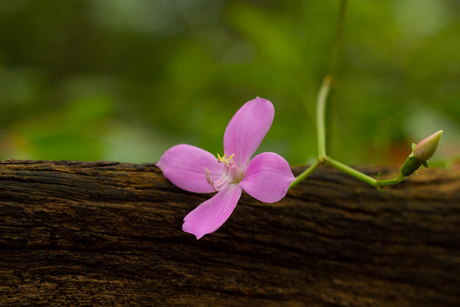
<point x="109" y="234"/>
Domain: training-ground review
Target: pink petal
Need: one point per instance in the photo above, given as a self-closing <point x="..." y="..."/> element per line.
<point x="184" y="165"/>
<point x="267" y="177"/>
<point x="247" y="129"/>
<point x="210" y="215"/>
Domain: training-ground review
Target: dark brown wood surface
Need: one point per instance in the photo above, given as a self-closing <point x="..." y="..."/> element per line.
<point x="109" y="234"/>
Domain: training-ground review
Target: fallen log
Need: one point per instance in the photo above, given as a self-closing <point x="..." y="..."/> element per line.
<point x="109" y="234"/>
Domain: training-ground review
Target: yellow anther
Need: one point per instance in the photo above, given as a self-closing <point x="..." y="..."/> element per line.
<point x="225" y="159"/>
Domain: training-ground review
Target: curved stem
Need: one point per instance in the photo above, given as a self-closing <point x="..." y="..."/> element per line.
<point x="305" y="174"/>
<point x="323" y="95"/>
<point x="321" y="116"/>
<point x="326" y="86"/>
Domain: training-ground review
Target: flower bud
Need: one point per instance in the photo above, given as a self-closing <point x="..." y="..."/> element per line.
<point x="420" y="154"/>
<point x="410" y="166"/>
<point x="427" y="147"/>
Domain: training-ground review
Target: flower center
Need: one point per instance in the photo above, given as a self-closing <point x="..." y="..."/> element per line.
<point x="232" y="174"/>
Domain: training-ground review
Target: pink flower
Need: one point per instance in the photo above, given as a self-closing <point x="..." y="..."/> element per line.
<point x="266" y="177"/>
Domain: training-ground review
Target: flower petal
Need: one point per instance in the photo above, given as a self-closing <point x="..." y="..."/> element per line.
<point x="247" y="129"/>
<point x="184" y="165"/>
<point x="267" y="177"/>
<point x="210" y="215"/>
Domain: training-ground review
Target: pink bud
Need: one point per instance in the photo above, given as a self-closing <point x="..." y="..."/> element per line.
<point x="427" y="147"/>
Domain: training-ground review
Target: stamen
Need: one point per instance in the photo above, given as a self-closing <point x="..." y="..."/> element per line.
<point x="230" y="160"/>
<point x="231" y="173"/>
<point x="226" y="160"/>
<point x="208" y="176"/>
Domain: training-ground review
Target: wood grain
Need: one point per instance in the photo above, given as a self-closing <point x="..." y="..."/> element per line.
<point x="109" y="234"/>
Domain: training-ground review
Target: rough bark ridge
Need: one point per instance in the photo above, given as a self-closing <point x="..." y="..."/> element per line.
<point x="109" y="234"/>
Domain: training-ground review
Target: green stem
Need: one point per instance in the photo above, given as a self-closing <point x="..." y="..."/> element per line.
<point x="391" y="181"/>
<point x="320" y="126"/>
<point x="363" y="177"/>
<point x="321" y="116"/>
<point x="322" y="98"/>
<point x="305" y="174"/>
<point x="352" y="172"/>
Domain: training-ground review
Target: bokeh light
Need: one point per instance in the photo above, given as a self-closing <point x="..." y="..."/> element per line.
<point x="125" y="80"/>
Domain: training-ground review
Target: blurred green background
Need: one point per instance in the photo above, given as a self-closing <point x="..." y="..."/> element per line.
<point x="124" y="80"/>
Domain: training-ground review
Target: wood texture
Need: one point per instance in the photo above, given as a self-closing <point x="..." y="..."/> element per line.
<point x="109" y="234"/>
